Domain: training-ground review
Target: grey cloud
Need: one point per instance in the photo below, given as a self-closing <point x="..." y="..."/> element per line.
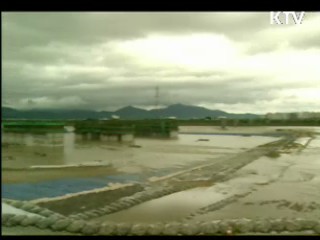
<point x="71" y="26"/>
<point x="269" y="41"/>
<point x="310" y="41"/>
<point x="106" y="96"/>
<point x="32" y="41"/>
<point x="22" y="30"/>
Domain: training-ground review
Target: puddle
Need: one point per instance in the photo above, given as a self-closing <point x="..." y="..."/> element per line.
<point x="168" y="208"/>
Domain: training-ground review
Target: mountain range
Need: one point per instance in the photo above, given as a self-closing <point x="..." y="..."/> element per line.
<point x="180" y="111"/>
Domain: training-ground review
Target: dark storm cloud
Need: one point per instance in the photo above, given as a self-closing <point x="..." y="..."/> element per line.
<point x="22" y="31"/>
<point x="113" y="96"/>
<point x="100" y="26"/>
<point x="91" y="60"/>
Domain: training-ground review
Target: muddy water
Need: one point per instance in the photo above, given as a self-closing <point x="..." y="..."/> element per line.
<point x="168" y="208"/>
<point x="284" y="187"/>
<point x="50" y="177"/>
<point x="243" y="130"/>
<point x="150" y="153"/>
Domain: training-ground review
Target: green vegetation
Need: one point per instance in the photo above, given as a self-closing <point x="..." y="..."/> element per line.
<point x="160" y="128"/>
<point x="33" y="127"/>
<point x="249" y="122"/>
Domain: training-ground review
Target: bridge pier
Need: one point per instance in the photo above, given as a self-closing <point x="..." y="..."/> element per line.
<point x="105" y="137"/>
<point x="31" y="139"/>
<point x="173" y="134"/>
<point x="127" y="137"/>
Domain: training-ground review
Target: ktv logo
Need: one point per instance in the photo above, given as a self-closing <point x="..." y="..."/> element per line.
<point x="284" y="17"/>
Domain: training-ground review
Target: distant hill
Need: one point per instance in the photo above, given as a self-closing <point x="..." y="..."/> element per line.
<point x="8" y="113"/>
<point x="130" y="112"/>
<point x="186" y="112"/>
<point x="180" y="111"/>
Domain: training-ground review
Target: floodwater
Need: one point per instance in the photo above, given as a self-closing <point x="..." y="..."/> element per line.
<point x="277" y="187"/>
<point x="287" y="186"/>
<point x="243" y="130"/>
<point x="148" y="160"/>
<point x="172" y="207"/>
<point x="145" y="154"/>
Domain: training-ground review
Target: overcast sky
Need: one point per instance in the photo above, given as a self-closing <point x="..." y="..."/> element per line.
<point x="236" y="62"/>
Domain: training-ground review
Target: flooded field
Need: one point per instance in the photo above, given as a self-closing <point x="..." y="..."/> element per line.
<point x="143" y="153"/>
<point x="285" y="184"/>
<point x="100" y="164"/>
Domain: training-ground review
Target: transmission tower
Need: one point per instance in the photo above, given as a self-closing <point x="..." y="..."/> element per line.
<point x="157" y="97"/>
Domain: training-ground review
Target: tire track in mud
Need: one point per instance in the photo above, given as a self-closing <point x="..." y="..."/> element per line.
<point x="224" y="202"/>
<point x="216" y="172"/>
<point x="216" y="206"/>
<point x="306" y="145"/>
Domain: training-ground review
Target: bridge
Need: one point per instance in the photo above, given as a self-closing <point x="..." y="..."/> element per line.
<point x="33" y="133"/>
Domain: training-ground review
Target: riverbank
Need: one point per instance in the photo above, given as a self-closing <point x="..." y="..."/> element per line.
<point x="256" y="178"/>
